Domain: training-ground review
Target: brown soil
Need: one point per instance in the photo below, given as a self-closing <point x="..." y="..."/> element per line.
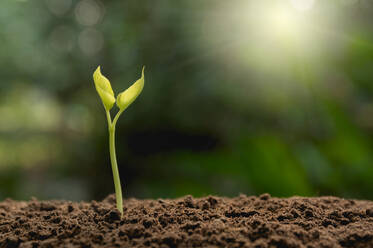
<point x="189" y="222"/>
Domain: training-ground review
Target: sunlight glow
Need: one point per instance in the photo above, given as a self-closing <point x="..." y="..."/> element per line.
<point x="277" y="40"/>
<point x="302" y="5"/>
<point x="283" y="21"/>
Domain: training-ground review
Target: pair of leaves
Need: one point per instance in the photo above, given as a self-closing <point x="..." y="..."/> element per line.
<point x="124" y="99"/>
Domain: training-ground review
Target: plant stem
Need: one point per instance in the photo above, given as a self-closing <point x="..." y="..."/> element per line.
<point x="114" y="165"/>
<point x="117" y="116"/>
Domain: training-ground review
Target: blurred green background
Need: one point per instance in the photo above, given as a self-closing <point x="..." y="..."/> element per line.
<point x="240" y="97"/>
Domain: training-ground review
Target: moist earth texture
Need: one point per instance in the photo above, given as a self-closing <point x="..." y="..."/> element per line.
<point x="244" y="221"/>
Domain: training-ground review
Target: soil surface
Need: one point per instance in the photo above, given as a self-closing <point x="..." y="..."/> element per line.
<point x="244" y="221"/>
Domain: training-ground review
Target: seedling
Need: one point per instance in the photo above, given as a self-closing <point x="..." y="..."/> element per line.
<point x="124" y="99"/>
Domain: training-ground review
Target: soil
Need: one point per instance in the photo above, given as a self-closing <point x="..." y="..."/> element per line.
<point x="244" y="221"/>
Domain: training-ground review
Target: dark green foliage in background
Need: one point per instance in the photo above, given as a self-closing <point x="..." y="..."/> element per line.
<point x="232" y="103"/>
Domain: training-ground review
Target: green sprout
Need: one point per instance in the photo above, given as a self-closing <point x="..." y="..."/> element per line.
<point x="124" y="99"/>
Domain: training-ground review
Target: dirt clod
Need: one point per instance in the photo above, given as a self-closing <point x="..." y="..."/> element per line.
<point x="244" y="221"/>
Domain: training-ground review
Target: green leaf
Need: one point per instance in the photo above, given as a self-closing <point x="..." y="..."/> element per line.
<point x="127" y="97"/>
<point x="103" y="88"/>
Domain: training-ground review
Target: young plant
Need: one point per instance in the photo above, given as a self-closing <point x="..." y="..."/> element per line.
<point x="123" y="100"/>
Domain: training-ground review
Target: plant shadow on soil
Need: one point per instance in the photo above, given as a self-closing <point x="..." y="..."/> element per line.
<point x="243" y="221"/>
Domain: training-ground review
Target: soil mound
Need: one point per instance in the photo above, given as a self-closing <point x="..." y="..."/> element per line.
<point x="244" y="221"/>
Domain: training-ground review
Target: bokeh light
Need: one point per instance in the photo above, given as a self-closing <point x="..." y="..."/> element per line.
<point x="88" y="12"/>
<point x="59" y="7"/>
<point x="90" y="41"/>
